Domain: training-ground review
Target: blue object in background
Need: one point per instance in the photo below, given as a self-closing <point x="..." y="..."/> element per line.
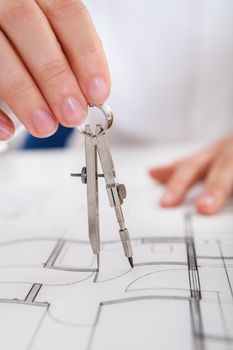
<point x="58" y="140"/>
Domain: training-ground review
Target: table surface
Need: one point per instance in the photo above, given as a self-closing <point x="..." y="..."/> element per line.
<point x="45" y="260"/>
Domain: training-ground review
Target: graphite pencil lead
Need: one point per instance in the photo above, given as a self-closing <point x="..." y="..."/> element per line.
<point x="98" y="262"/>
<point x="131" y="261"/>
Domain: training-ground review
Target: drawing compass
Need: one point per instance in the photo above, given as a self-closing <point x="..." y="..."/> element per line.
<point x="96" y="146"/>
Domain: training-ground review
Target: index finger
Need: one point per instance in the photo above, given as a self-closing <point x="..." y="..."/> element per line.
<point x="83" y="48"/>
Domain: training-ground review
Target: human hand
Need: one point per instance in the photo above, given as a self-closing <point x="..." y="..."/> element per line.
<point x="214" y="165"/>
<point x="51" y="64"/>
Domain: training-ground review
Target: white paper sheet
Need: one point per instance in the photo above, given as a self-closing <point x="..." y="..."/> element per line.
<point x="178" y="296"/>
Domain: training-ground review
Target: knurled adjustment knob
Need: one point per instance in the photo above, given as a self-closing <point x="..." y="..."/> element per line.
<point x="84" y="175"/>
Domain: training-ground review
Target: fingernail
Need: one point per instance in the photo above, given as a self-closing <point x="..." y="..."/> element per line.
<point x="207" y="201"/>
<point x="168" y="198"/>
<point x="43" y="123"/>
<point x="97" y="90"/>
<point x="5" y="131"/>
<point x="73" y="112"/>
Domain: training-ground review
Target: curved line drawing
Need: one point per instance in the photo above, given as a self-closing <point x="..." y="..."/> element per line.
<point x="59" y="268"/>
<point x="69" y="283"/>
<point x="52" y="285"/>
<point x="70" y="269"/>
<point x="67" y="324"/>
<point x="35" y="333"/>
<point x="87" y="274"/>
<point x="144" y="297"/>
<point x="113" y="278"/>
<point x="156" y="288"/>
<point x="126" y="300"/>
<point x="148" y="274"/>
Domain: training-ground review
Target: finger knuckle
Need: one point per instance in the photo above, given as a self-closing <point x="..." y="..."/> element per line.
<point x="182" y="176"/>
<point x="183" y="168"/>
<point x="18" y="89"/>
<point x="191" y="167"/>
<point x="53" y="73"/>
<point x="228" y="154"/>
<point x="190" y="162"/>
<point x="184" y="165"/>
<point x="224" y="160"/>
<point x="14" y="11"/>
<point x="64" y="9"/>
<point x="218" y="180"/>
<point x="91" y="48"/>
<point x="177" y="182"/>
<point x="195" y="162"/>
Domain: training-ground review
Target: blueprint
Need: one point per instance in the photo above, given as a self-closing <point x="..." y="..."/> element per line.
<point x="178" y="296"/>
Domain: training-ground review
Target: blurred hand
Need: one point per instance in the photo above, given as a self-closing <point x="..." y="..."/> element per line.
<point x="214" y="165"/>
<point x="51" y="64"/>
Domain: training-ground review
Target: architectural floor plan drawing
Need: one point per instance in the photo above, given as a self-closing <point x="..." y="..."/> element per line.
<point x="178" y="296"/>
